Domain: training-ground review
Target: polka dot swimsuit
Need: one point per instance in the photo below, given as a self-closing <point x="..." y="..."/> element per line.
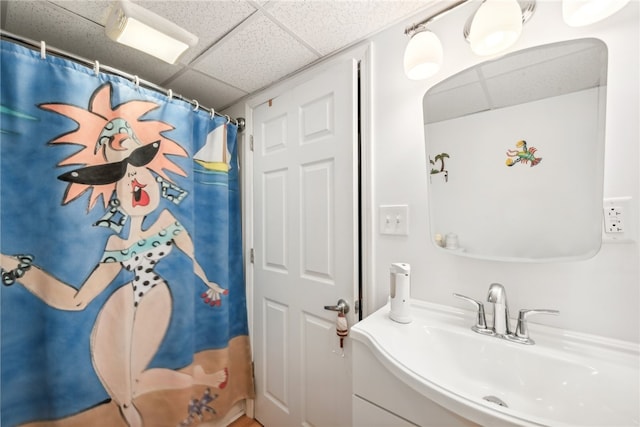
<point x="141" y="258"/>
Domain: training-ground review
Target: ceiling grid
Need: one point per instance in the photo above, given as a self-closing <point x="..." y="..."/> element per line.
<point x="243" y="47"/>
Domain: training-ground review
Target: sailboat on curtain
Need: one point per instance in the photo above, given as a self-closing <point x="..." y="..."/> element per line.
<point x="215" y="155"/>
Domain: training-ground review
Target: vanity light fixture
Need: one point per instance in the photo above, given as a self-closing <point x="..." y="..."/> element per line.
<point x="578" y="13"/>
<point x="493" y="28"/>
<point x="137" y="27"/>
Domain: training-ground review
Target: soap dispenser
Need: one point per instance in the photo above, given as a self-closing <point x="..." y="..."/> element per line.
<point x="399" y="289"/>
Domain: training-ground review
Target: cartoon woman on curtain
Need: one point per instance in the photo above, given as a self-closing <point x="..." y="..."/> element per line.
<point x="124" y="156"/>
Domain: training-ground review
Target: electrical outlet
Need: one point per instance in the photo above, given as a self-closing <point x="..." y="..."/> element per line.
<point x="614" y="219"/>
<point x="617" y="214"/>
<point x="394" y="219"/>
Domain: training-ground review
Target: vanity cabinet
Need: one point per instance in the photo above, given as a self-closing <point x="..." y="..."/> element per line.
<point x="382" y="400"/>
<point x="369" y="415"/>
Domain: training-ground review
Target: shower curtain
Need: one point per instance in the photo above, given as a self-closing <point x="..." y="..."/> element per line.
<point x="122" y="297"/>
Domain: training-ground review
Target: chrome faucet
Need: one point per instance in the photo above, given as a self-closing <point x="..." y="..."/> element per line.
<point x="501" y="327"/>
<point x="498" y="296"/>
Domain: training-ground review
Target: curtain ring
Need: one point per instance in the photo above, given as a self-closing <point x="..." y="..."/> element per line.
<point x="136" y="80"/>
<point x="43" y="50"/>
<point x="228" y="119"/>
<point x="96" y="67"/>
<point x="213" y="113"/>
<point x="195" y="108"/>
<point x="170" y="94"/>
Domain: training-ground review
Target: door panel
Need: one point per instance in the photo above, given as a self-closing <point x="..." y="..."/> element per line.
<point x="275" y="221"/>
<point x="306" y="249"/>
<point x="317" y="225"/>
<point x="275" y="332"/>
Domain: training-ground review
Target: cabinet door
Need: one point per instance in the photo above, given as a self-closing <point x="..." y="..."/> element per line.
<point x="367" y="415"/>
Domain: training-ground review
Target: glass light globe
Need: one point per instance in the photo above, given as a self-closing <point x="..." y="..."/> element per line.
<point x="423" y="56"/>
<point x="496" y="26"/>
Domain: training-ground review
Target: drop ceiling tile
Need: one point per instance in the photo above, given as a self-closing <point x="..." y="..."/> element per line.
<point x="258" y="53"/>
<point x="330" y="25"/>
<point x="59" y="28"/>
<point x="95" y="10"/>
<point x="208" y="91"/>
<point x="209" y="20"/>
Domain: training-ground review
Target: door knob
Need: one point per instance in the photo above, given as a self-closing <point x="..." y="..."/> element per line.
<point x="342" y="307"/>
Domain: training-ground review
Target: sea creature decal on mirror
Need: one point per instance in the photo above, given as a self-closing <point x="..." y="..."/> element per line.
<point x="522" y="155"/>
<point x="439" y="158"/>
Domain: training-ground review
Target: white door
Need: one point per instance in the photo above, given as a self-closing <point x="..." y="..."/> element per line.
<point x="306" y="249"/>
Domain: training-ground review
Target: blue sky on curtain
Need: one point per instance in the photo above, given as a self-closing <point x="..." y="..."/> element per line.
<point x="123" y="297"/>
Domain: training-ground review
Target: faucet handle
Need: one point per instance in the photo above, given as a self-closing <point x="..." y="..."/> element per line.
<point x="522" y="331"/>
<point x="481" y="322"/>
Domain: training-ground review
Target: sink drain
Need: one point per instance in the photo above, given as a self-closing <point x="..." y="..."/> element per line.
<point x="496" y="400"/>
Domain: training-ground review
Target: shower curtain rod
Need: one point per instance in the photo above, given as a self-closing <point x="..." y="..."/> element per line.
<point x="45" y="49"/>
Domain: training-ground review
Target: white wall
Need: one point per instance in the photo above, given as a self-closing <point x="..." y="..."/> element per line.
<point x="600" y="295"/>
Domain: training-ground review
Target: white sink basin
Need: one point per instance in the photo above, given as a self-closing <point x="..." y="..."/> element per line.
<point x="564" y="379"/>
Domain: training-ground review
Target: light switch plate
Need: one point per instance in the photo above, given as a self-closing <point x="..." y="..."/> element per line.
<point x="394" y="219"/>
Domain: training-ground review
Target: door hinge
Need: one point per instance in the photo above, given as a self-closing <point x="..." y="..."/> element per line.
<point x="251" y="142"/>
<point x="252" y="255"/>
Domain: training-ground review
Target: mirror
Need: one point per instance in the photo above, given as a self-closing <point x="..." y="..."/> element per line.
<point x="515" y="155"/>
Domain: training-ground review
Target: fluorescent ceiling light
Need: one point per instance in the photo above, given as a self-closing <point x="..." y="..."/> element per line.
<point x="578" y="13"/>
<point x="139" y="28"/>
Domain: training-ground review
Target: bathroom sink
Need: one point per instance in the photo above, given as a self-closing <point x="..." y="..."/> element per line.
<point x="564" y="379"/>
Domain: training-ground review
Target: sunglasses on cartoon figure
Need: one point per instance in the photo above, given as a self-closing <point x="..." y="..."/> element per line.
<point x="112" y="172"/>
